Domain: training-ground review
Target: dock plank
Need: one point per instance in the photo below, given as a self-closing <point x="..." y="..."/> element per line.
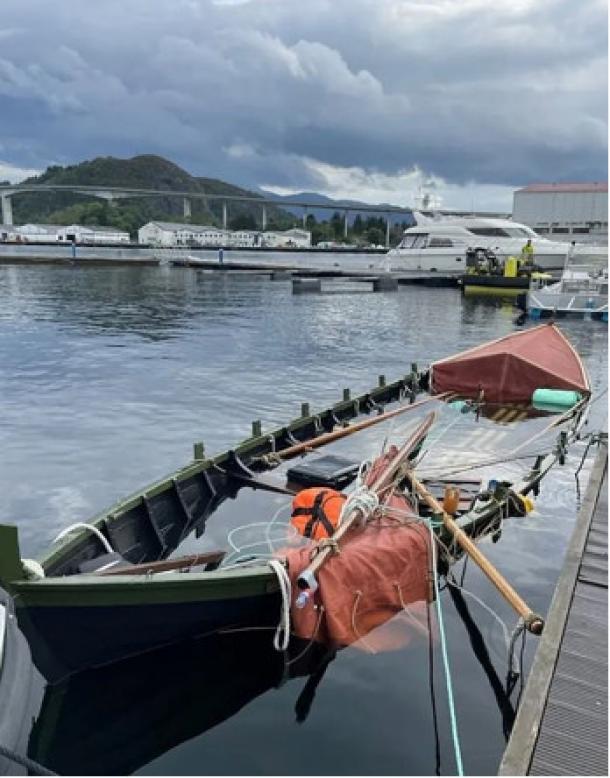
<point x="562" y="724"/>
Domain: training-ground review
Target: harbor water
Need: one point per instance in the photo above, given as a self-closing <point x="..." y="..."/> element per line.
<point x="107" y="377"/>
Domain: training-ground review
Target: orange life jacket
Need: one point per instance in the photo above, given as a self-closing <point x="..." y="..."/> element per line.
<point x="316" y="512"/>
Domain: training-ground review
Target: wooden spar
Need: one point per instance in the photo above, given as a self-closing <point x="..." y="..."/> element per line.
<point x="533" y="622"/>
<point x="330" y="437"/>
<point x="165" y="565"/>
<point x="381" y="483"/>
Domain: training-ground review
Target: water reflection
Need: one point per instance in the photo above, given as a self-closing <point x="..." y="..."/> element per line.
<point x="107" y="376"/>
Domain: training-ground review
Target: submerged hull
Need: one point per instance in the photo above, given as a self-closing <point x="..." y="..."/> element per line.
<point x="66" y="638"/>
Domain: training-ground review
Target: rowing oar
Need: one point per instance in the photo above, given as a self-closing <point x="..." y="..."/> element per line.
<point x="533" y="622"/>
<point x="330" y="437"/>
<point x="384" y="480"/>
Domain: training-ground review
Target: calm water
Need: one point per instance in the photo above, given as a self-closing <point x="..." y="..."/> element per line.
<point x="108" y="375"/>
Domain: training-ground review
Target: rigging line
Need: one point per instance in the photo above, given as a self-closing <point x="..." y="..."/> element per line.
<point x="486" y="463"/>
<point x="437" y="744"/>
<point x="507" y="640"/>
<point x="443" y="640"/>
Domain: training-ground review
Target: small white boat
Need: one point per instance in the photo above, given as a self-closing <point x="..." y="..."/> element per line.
<point x="440" y="244"/>
<point x="582" y="292"/>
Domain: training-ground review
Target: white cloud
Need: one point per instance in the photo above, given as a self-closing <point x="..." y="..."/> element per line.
<point x="15" y="174"/>
<point x="402" y="188"/>
<point x="337" y="94"/>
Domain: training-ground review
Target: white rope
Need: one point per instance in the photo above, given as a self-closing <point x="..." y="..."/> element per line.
<point x="282" y="633"/>
<point x="361" y="498"/>
<point x="91" y="528"/>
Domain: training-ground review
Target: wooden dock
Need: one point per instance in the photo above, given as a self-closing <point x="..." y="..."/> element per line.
<point x="561" y="727"/>
<point x="380" y="279"/>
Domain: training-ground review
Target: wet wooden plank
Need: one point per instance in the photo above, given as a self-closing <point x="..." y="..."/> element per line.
<point x="562" y="724"/>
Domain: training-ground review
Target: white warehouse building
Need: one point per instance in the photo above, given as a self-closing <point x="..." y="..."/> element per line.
<point x="569" y="211"/>
<point x="176" y="234"/>
<point x="169" y="234"/>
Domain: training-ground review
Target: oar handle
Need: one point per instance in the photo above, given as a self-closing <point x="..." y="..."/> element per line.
<point x="532" y="621"/>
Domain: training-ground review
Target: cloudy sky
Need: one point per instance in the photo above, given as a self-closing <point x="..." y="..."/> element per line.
<point x="367" y="99"/>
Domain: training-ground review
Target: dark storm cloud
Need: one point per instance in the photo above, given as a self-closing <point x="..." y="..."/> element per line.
<point x="254" y="91"/>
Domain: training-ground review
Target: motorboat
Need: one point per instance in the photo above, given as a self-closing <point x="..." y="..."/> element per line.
<point x="440" y="244"/>
<point x="581" y="292"/>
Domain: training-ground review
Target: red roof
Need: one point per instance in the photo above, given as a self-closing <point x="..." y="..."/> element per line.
<point x="511" y="368"/>
<point x="593" y="186"/>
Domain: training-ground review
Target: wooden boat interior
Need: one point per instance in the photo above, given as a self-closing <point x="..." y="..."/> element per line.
<point x="167" y="520"/>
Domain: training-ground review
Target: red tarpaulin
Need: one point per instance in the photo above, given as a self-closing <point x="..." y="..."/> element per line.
<point x="510" y="369"/>
<point x="381" y="569"/>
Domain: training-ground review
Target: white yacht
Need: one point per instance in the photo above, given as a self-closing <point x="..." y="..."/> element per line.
<point x="440" y="244"/>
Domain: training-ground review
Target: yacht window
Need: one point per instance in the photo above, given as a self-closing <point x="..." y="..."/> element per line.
<point x="519" y="232"/>
<point x="420" y="241"/>
<point x="562" y="230"/>
<point x="580" y="230"/>
<point x="416" y="240"/>
<point x="440" y="243"/>
<point x="542" y="230"/>
<point x="488" y="232"/>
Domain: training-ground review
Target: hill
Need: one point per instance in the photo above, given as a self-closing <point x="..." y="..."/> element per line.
<point x="145" y="171"/>
<point x="324" y="214"/>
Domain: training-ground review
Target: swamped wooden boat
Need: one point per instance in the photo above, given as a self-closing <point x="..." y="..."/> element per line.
<point x="121" y="583"/>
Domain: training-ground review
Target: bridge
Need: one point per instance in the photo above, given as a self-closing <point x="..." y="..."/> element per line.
<point x="113" y="193"/>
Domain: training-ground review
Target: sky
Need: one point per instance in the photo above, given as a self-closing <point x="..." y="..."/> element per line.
<point x="374" y="100"/>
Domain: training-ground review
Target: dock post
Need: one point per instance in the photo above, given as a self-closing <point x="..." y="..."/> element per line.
<point x="305" y="410"/>
<point x="7" y="210"/>
<point x="347" y="395"/>
<point x="385" y="284"/>
<point x="381" y="381"/>
<point x="198" y="450"/>
<point x="257" y="428"/>
<point x="306" y="285"/>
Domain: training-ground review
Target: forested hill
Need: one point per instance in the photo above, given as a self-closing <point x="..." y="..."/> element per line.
<point x="146" y="172"/>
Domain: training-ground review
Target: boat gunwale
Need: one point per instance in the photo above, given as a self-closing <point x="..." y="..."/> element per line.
<point x="252" y="446"/>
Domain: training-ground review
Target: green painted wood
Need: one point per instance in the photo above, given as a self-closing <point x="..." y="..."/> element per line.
<point x="10" y="558"/>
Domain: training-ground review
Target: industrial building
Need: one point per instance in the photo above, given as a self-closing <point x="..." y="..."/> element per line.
<point x="565" y="212"/>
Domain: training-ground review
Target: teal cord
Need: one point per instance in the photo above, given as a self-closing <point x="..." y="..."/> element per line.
<point x="441" y="626"/>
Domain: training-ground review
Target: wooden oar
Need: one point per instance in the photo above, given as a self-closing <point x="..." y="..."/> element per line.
<point x="383" y="481"/>
<point x="166" y="565"/>
<point x="330" y="437"/>
<point x="533" y="622"/>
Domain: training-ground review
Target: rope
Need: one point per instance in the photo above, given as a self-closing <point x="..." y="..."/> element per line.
<point x="29" y="764"/>
<point x="91" y="528"/>
<point x="282" y="633"/>
<point x="361" y="498"/>
<point x="441" y="626"/>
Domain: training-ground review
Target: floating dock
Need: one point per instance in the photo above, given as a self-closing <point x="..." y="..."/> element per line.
<point x="381" y="280"/>
<point x="561" y="727"/>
